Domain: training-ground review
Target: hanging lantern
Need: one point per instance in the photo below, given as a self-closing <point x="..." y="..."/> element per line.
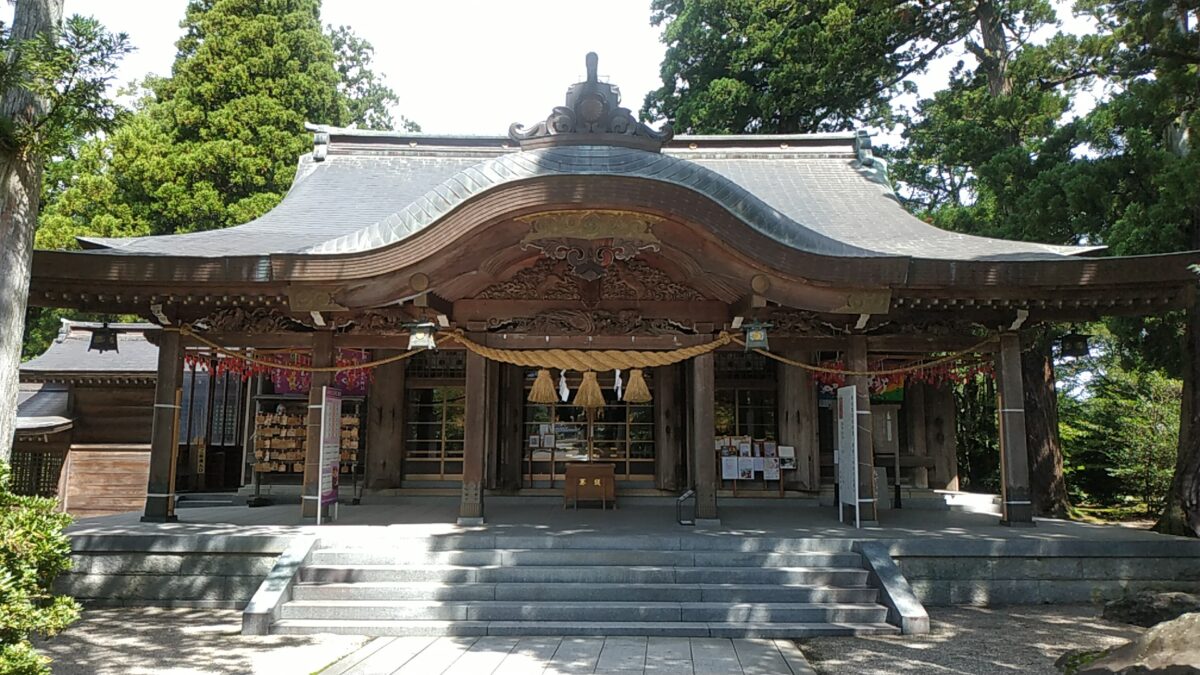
<point x="104" y="339"/>
<point x="1074" y="344"/>
<point x="756" y="336"/>
<point x="420" y="336"/>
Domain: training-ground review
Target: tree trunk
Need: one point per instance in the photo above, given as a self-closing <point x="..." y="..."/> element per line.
<point x="20" y="189"/>
<point x="1182" y="512"/>
<point x="1047" y="486"/>
<point x="993" y="58"/>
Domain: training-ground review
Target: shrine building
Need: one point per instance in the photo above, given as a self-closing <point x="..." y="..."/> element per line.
<point x="680" y="308"/>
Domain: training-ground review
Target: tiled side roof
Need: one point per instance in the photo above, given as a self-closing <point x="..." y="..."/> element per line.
<point x="42" y="408"/>
<point x="69" y="353"/>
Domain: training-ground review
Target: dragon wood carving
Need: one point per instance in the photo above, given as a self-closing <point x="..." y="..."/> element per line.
<point x="549" y="279"/>
<point x="580" y="322"/>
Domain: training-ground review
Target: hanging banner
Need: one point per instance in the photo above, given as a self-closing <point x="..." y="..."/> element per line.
<point x="331" y="449"/>
<point x="847" y="452"/>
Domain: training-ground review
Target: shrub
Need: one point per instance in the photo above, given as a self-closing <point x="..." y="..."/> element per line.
<point x="33" y="551"/>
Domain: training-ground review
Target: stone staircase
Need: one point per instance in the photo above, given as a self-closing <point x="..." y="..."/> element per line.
<point x="582" y="585"/>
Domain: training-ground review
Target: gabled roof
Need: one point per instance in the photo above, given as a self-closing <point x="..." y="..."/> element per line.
<point x="68" y="355"/>
<point x="360" y="190"/>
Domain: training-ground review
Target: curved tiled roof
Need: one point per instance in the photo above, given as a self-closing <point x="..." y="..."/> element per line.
<point x="372" y="190"/>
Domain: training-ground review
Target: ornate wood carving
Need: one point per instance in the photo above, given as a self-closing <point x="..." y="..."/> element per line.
<point x="378" y="321"/>
<point x="590" y="240"/>
<point x="550" y="279"/>
<point x="545" y="280"/>
<point x="592" y="110"/>
<point x="251" y="322"/>
<point x="581" y="322"/>
<point x="635" y="280"/>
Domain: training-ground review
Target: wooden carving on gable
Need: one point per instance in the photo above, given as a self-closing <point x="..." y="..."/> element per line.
<point x="545" y="280"/>
<point x="550" y="279"/>
<point x="590" y="241"/>
<point x="582" y="322"/>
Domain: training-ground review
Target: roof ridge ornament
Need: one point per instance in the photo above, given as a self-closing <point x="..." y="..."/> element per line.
<point x="592" y="115"/>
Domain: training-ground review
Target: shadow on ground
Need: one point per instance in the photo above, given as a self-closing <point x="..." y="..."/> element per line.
<point x="184" y="641"/>
<point x="972" y="640"/>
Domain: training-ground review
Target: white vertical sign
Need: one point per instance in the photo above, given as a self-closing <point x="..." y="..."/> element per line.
<point x="847" y="451"/>
<point x="331" y="449"/>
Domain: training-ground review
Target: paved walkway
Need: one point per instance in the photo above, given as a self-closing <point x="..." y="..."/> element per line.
<point x="569" y="656"/>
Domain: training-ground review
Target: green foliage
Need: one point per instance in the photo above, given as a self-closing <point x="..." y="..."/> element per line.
<point x="765" y="66"/>
<point x="70" y="69"/>
<point x="1120" y="429"/>
<point x="215" y="144"/>
<point x="977" y="435"/>
<point x="33" y="552"/>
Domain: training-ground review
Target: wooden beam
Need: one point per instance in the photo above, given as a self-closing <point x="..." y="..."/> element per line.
<point x="435" y="302"/>
<point x="712" y="311"/>
<point x="748" y="306"/>
<point x="524" y="341"/>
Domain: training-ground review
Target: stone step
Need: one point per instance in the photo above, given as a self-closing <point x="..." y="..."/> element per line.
<point x="594" y="542"/>
<point x="815" y="576"/>
<point x="637" y="612"/>
<point x="564" y="557"/>
<point x="385" y="590"/>
<point x="598" y="628"/>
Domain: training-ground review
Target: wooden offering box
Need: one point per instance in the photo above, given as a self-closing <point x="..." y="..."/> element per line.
<point x="590" y="482"/>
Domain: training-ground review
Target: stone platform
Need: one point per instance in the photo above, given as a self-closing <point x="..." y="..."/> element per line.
<point x="216" y="556"/>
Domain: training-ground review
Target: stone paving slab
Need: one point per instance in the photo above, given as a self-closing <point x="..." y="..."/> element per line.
<point x="574" y="655"/>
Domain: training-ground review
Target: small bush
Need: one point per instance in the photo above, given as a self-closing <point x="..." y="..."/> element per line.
<point x="33" y="551"/>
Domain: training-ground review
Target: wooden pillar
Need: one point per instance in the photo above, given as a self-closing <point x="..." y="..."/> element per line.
<point x="511" y="425"/>
<point x="798" y="420"/>
<point x="491" y="439"/>
<point x="164" y="434"/>
<point x="1016" y="505"/>
<point x="856" y="359"/>
<point x="704" y="455"/>
<point x="668" y="429"/>
<point x="941" y="436"/>
<point x="385" y="424"/>
<point x="914" y="418"/>
<point x="322" y="355"/>
<point x="470" y="510"/>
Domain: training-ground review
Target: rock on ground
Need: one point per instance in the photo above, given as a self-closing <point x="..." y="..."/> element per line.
<point x="1171" y="647"/>
<point x="1148" y="608"/>
<point x="964" y="640"/>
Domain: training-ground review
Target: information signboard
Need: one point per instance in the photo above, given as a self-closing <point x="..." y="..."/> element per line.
<point x="847" y="451"/>
<point x="331" y="449"/>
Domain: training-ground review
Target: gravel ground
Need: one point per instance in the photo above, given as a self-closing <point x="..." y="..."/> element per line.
<point x="970" y="640"/>
<point x="149" y="641"/>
